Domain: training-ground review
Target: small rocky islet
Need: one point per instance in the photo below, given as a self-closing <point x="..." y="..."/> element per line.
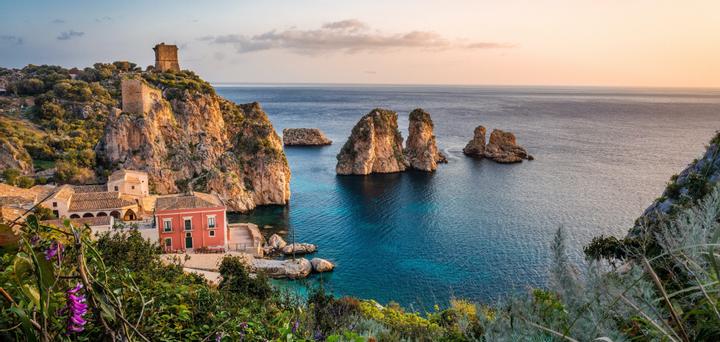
<point x="305" y="137"/>
<point x="501" y="148"/>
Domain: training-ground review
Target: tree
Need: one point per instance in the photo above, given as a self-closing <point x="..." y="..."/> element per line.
<point x="11" y="176"/>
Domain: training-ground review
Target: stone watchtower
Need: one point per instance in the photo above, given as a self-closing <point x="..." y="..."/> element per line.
<point x="166" y="58"/>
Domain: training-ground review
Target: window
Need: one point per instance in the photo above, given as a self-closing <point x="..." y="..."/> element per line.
<point x="56" y="213"/>
<point x="133" y="187"/>
<point x="54" y="204"/>
<point x="116" y="188"/>
<point x="212" y="233"/>
<point x="188" y="224"/>
<point x="211" y="222"/>
<point x="168" y="242"/>
<point x="167" y="225"/>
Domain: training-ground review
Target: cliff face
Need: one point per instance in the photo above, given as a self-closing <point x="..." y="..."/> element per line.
<point x="421" y="150"/>
<point x="685" y="189"/>
<point x="374" y="146"/>
<point x="202" y="142"/>
<point x="14" y="156"/>
<point x="304" y="137"/>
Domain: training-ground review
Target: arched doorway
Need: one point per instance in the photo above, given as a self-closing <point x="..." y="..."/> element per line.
<point x="73" y="216"/>
<point x="101" y="214"/>
<point x="115" y="214"/>
<point x="129" y="215"/>
<point x="88" y="215"/>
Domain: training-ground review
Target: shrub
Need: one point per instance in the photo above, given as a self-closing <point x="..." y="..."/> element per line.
<point x="237" y="280"/>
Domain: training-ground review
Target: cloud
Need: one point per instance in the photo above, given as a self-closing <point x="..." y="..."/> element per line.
<point x="347" y="36"/>
<point x="67" y="35"/>
<point x="104" y="19"/>
<point x="11" y="40"/>
<point x="58" y="21"/>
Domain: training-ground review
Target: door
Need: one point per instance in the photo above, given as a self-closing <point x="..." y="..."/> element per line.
<point x="188" y="241"/>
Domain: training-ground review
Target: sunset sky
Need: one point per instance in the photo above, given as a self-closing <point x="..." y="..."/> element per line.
<point x="552" y="42"/>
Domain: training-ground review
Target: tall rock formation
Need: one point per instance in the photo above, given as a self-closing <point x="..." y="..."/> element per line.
<point x="421" y="151"/>
<point x="476" y="146"/>
<point x="197" y="140"/>
<point x="374" y="146"/>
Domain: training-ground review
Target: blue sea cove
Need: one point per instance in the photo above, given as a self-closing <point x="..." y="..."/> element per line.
<point x="476" y="229"/>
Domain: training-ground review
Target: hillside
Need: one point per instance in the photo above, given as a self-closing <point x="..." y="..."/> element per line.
<point x="72" y="123"/>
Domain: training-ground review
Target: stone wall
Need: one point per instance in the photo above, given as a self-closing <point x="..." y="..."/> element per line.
<point x="138" y="97"/>
<point x="166" y="58"/>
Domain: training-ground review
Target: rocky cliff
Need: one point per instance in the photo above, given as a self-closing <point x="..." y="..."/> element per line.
<point x="304" y="137"/>
<point x="421" y="150"/>
<point x="502" y="147"/>
<point x="374" y="146"/>
<point x="684" y="190"/>
<point x="196" y="140"/>
<point x="14" y="156"/>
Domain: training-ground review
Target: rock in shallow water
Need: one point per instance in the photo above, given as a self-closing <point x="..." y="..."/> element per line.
<point x="321" y="265"/>
<point x="299" y="248"/>
<point x="292" y="269"/>
<point x="276" y="242"/>
<point x="304" y="137"/>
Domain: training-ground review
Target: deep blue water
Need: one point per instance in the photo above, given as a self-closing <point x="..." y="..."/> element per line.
<point x="476" y="229"/>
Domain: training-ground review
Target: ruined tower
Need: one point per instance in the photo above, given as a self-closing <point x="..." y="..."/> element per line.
<point x="138" y="97"/>
<point x="166" y="58"/>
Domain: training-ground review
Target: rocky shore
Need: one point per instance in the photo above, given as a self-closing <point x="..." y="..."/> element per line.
<point x="304" y="137"/>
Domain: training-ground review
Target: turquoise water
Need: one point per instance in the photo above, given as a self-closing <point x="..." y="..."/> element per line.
<point x="476" y="229"/>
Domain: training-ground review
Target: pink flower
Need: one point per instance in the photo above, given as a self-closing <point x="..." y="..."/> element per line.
<point x="77" y="308"/>
<point x="55" y="248"/>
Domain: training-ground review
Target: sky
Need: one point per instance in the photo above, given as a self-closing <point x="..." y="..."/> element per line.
<point x="634" y="43"/>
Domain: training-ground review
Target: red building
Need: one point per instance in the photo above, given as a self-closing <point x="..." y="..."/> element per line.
<point x="190" y="222"/>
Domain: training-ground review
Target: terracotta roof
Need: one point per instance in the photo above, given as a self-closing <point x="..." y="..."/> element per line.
<point x="193" y="201"/>
<point x="89" y="188"/>
<point x="88" y="196"/>
<point x="15" y="201"/>
<point x="120" y="174"/>
<point x="13" y="191"/>
<point x="79" y="222"/>
<point x="63" y="192"/>
<point x="98" y="204"/>
<point x="9" y="214"/>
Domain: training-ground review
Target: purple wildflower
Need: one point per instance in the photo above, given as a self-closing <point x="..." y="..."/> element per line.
<point x="218" y="337"/>
<point x="55" y="248"/>
<point x="34" y="240"/>
<point x="319" y="336"/>
<point x="295" y="326"/>
<point x="77" y="308"/>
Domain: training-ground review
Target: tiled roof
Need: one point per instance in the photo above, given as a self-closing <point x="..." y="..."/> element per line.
<point x="63" y="192"/>
<point x="120" y="174"/>
<point x="89" y="188"/>
<point x="79" y="222"/>
<point x="193" y="201"/>
<point x="98" y="204"/>
<point x="13" y="191"/>
<point x="15" y="201"/>
<point x="88" y="196"/>
<point x="9" y="214"/>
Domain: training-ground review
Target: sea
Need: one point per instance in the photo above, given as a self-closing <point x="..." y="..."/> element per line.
<point x="475" y="229"/>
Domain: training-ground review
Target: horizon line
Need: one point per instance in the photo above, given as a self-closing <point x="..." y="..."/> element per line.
<point x="231" y="83"/>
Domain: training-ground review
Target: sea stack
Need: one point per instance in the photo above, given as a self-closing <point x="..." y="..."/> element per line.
<point x="421" y="150"/>
<point x="501" y="148"/>
<point x="374" y="146"/>
<point x="304" y="137"/>
<point x="476" y="146"/>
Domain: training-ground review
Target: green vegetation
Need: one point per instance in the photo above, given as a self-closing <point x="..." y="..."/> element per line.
<point x="15" y="178"/>
<point x="183" y="80"/>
